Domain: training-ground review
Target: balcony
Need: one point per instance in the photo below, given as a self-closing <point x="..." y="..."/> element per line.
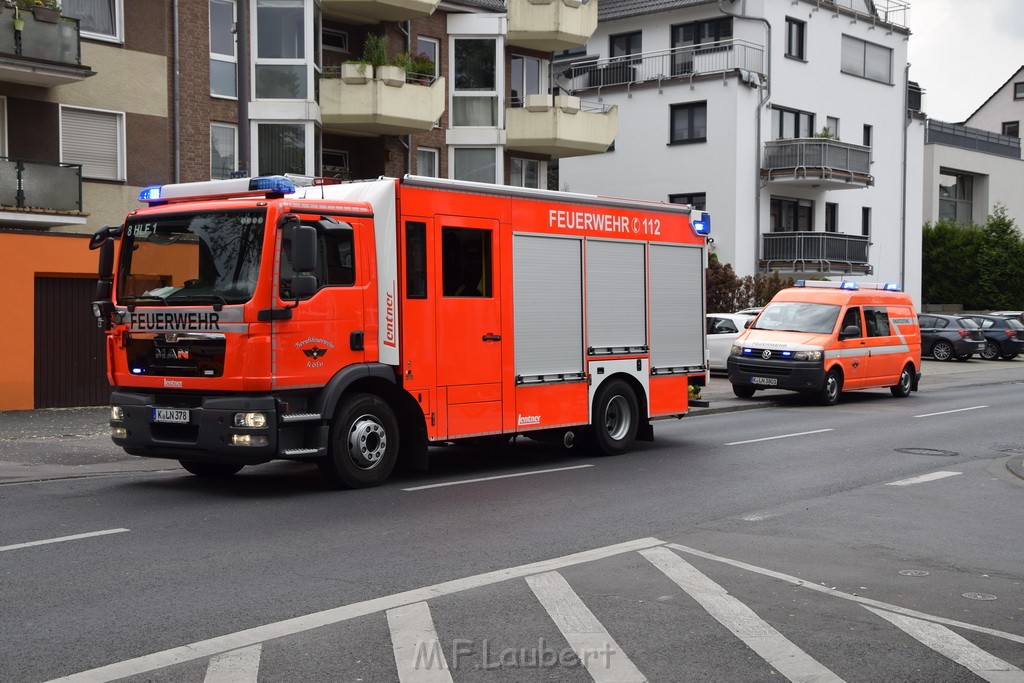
<point x="551" y="25"/>
<point x="956" y="135"/>
<point x="560" y="126"/>
<point x="43" y="53"/>
<point x="38" y="194"/>
<point x="376" y="11"/>
<point x="817" y="163"/>
<point x="355" y="104"/>
<point x="681" y="64"/>
<point x="824" y="252"/>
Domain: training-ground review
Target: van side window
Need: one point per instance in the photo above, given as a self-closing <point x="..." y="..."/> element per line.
<point x="852" y="317"/>
<point x="877" y="320"/>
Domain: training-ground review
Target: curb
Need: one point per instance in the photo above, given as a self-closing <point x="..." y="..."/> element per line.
<point x="1016" y="466"/>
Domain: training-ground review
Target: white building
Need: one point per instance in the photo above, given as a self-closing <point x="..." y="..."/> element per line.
<point x="786" y="119"/>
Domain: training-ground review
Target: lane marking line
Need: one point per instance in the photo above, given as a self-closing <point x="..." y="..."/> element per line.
<point x="954" y="646"/>
<point x="91" y="534"/>
<point x="781" y="436"/>
<point x="237" y="666"/>
<point x="756" y="633"/>
<point x="923" y="478"/>
<point x="604" y="659"/>
<point x="948" y="412"/>
<point x="499" y="476"/>
<point x="846" y="596"/>
<point x="259" y="634"/>
<point x="418" y="652"/>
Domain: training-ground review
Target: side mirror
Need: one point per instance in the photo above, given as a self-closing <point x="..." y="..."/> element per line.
<point x="303" y="253"/>
<point x="303" y="286"/>
<point x="748" y="323"/>
<point x="850" y="332"/>
<point x="106" y="260"/>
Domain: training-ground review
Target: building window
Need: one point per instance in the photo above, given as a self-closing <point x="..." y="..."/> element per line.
<point x="475" y="163"/>
<point x="1011" y="128"/>
<point x="431" y="48"/>
<point x="223" y="59"/>
<point x="788" y="215"/>
<point x="96" y="18"/>
<point x="334" y="47"/>
<point x="795" y="38"/>
<point x="956" y="196"/>
<point x="426" y="162"/>
<point x="697" y="33"/>
<point x="94" y="139"/>
<point x="223" y="150"/>
<point x="698" y="200"/>
<point x="281" y="68"/>
<point x="865" y="221"/>
<point x="868" y="134"/>
<point x="831" y="217"/>
<point x="527" y="79"/>
<point x="1018" y="91"/>
<point x="623" y="44"/>
<point x="334" y="163"/>
<point x="524" y="173"/>
<point x="788" y="124"/>
<point x="832" y="123"/>
<point x="688" y="123"/>
<point x="867" y="60"/>
<point x="475" y="95"/>
<point x="282" y="148"/>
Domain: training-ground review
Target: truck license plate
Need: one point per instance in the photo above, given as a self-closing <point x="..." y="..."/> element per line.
<point x="766" y="381"/>
<point x="173" y="415"/>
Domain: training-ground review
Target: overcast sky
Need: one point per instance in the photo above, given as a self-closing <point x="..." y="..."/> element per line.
<point x="961" y="51"/>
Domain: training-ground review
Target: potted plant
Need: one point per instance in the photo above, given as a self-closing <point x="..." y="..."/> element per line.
<point x="19" y="23"/>
<point x="356" y="72"/>
<point x="48" y="10"/>
<point x="421" y="68"/>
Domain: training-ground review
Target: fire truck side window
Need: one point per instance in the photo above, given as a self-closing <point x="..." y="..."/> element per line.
<point x="466" y="262"/>
<point x="416" y="260"/>
<point x="335" y="261"/>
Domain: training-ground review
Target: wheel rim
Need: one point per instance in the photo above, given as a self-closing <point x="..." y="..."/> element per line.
<point x="831" y="387"/>
<point x="367" y="442"/>
<point x="990" y="351"/>
<point x="905" y="381"/>
<point x="617" y="418"/>
<point x="942" y="351"/>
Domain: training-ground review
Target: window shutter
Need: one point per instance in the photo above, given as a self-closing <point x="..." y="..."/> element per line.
<point x="93" y="139"/>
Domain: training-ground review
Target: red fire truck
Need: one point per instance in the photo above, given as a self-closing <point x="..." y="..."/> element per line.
<point x="358" y="323"/>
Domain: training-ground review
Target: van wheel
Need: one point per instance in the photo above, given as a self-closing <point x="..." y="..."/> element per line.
<point x="829" y="394"/>
<point x="990" y="352"/>
<point x="616" y="417"/>
<point x="902" y="388"/>
<point x="743" y="390"/>
<point x="942" y="351"/>
<point x="210" y="469"/>
<point x="364" y="443"/>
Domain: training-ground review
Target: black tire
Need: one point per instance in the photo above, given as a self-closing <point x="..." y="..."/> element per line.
<point x="965" y="356"/>
<point x="990" y="352"/>
<point x="364" y="443"/>
<point x="902" y="388"/>
<point x="743" y="390"/>
<point x="616" y="417"/>
<point x="943" y="351"/>
<point x="1010" y="356"/>
<point x="210" y="469"/>
<point x="830" y="390"/>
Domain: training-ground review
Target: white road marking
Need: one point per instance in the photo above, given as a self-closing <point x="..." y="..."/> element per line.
<point x="62" y="539"/>
<point x="954" y="646"/>
<point x="252" y="636"/>
<point x="418" y="652"/>
<point x="755" y="632"/>
<point x="781" y="436"/>
<point x="500" y="476"/>
<point x="237" y="666"/>
<point x="947" y="412"/>
<point x="846" y="596"/>
<point x="932" y="476"/>
<point x="605" y="660"/>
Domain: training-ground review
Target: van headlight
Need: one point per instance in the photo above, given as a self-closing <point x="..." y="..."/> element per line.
<point x="807" y="355"/>
<point x="737" y="350"/>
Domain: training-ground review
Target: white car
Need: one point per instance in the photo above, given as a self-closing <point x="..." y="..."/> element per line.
<point x="722" y="330"/>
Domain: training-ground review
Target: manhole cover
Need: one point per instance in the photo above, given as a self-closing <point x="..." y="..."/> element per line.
<point x="913" y="572"/>
<point x="926" y="451"/>
<point x="979" y="596"/>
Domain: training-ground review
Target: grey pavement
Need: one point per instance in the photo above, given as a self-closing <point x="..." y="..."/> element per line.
<point x="74" y="442"/>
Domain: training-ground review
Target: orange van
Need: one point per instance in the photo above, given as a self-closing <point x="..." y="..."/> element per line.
<point x="823" y="338"/>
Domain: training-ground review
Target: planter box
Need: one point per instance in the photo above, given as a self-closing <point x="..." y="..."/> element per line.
<point x="356" y="73"/>
<point x="47" y="14"/>
<point x="391" y="75"/>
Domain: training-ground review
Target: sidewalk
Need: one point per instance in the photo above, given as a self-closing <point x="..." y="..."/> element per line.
<point x="75" y="442"/>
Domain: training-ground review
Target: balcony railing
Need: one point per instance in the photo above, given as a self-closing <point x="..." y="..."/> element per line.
<point x="895" y="12"/>
<point x="42" y="52"/>
<point x="817" y="161"/>
<point x="679" y="63"/>
<point x="561" y="126"/>
<point x="365" y="103"/>
<point x="955" y="135"/>
<point x="820" y="251"/>
<point x="40" y="186"/>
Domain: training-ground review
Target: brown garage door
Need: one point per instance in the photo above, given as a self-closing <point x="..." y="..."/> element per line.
<point x="69" y="347"/>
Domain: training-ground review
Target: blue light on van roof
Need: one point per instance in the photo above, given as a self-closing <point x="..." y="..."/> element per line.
<point x="849" y="284"/>
<point x="892" y="286"/>
<point x="150" y="194"/>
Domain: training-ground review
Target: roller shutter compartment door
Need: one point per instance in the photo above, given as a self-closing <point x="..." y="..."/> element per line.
<point x="677" y="307"/>
<point x="616" y="297"/>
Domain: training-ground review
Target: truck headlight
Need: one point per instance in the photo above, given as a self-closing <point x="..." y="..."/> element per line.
<point x="116" y="413"/>
<point x="252" y="420"/>
<point x="807" y="355"/>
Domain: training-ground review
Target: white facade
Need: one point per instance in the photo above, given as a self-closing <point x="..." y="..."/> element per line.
<point x="730" y="165"/>
<point x="1003" y="112"/>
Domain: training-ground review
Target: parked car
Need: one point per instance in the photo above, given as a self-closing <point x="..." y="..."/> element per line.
<point x="1019" y="315"/>
<point x="1004" y="337"/>
<point x="722" y="329"/>
<point x="750" y="311"/>
<point x="945" y="337"/>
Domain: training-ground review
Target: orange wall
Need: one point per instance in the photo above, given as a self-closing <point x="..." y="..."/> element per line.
<point x="22" y="258"/>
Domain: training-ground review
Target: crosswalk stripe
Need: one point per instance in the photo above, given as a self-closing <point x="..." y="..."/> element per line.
<point x="756" y="633"/>
<point x="591" y="642"/>
<point x="418" y="652"/>
<point x="955" y="647"/>
<point x="237" y="666"/>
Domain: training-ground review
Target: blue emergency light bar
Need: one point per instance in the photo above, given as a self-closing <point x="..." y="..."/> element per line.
<point x="235" y="187"/>
<point x="700" y="221"/>
<point x="849" y="284"/>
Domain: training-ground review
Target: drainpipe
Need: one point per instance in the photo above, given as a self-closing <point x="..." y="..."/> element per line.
<point x="766" y="94"/>
<point x="177" y="100"/>
<point x="903" y="182"/>
<point x="242" y="37"/>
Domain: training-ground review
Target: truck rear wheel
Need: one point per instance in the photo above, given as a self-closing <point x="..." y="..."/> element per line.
<point x="210" y="469"/>
<point x="616" y="417"/>
<point x="364" y="443"/>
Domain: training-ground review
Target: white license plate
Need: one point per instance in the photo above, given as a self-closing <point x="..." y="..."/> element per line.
<point x="173" y="415"/>
<point x="766" y="381"/>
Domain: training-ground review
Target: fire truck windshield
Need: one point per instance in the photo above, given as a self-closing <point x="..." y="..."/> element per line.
<point x="186" y="259"/>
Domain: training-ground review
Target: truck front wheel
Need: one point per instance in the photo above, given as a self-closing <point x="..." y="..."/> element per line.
<point x="616" y="417"/>
<point x="364" y="443"/>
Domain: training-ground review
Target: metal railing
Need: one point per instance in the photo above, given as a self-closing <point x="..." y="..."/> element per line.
<point x="895" y="12"/>
<point x="332" y="72"/>
<point x="824" y="153"/>
<point x="40" y="185"/>
<point x="44" y="40"/>
<point x="823" y="248"/>
<point x="664" y="65"/>
<point x="586" y="106"/>
<point x="955" y="135"/>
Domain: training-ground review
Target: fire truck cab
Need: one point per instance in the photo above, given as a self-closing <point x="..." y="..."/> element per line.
<point x="352" y="324"/>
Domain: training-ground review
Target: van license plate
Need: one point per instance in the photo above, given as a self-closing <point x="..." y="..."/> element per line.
<point x="172" y="415"/>
<point x="766" y="381"/>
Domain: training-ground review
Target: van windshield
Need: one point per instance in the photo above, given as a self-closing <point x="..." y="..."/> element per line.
<point x="789" y="316"/>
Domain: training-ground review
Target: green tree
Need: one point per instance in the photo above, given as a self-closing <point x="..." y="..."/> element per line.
<point x="949" y="263"/>
<point x="725" y="291"/>
<point x="999" y="262"/>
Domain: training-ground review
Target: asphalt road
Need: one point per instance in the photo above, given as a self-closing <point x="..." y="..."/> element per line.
<point x="788" y="542"/>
